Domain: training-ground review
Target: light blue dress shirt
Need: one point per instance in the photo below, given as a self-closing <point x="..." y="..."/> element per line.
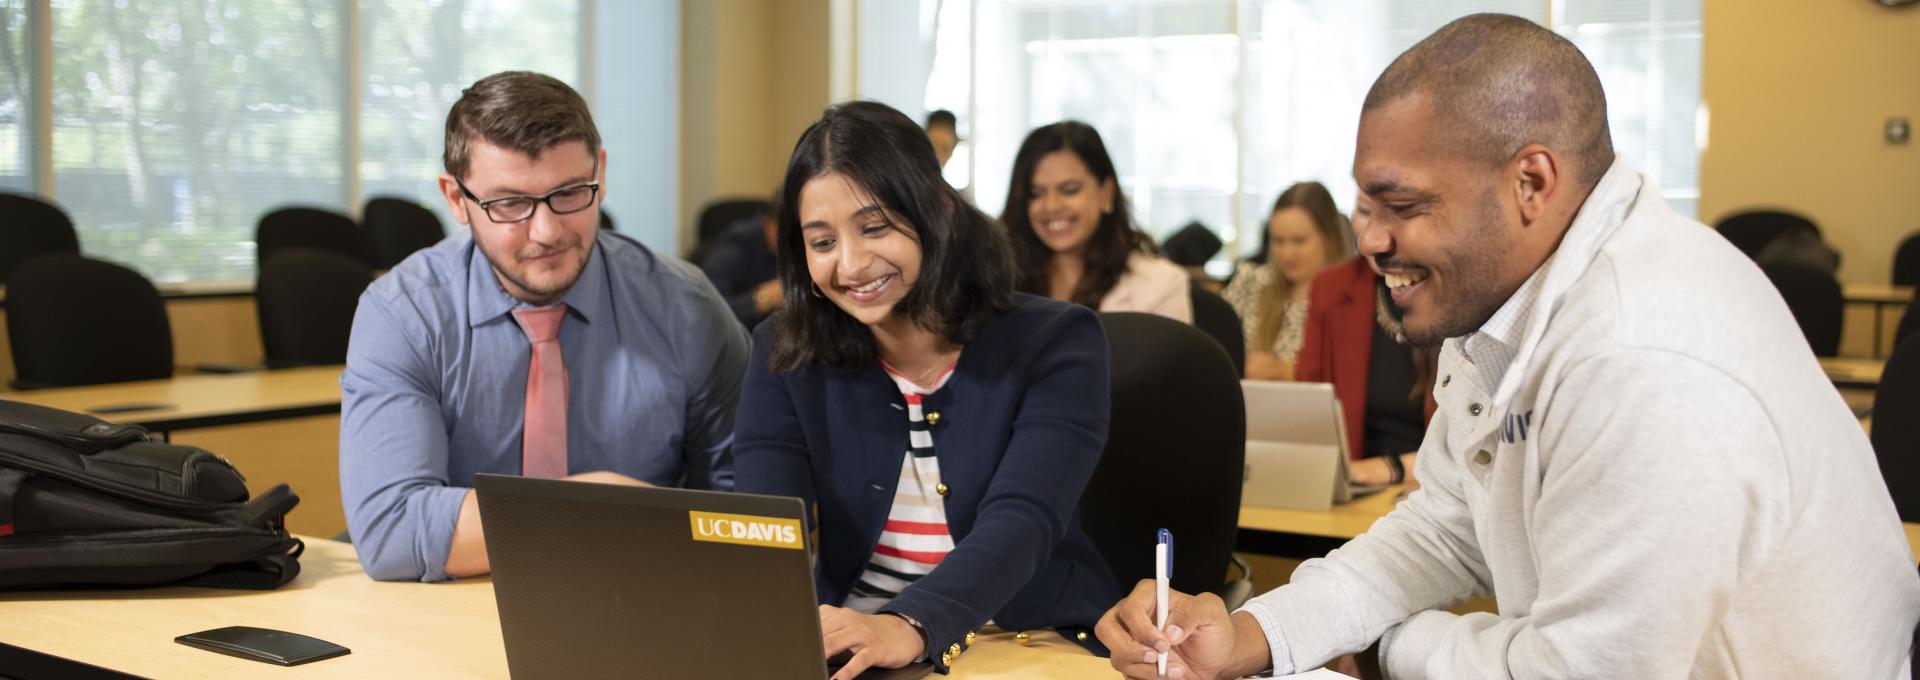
<point x="435" y="389"/>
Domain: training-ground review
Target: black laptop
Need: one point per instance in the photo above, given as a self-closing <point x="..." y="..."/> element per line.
<point x="603" y="581"/>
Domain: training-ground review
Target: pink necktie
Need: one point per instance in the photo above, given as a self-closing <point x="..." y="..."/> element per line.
<point x="543" y="445"/>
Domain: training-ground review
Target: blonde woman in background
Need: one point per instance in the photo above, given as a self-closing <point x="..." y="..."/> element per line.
<point x="1305" y="232"/>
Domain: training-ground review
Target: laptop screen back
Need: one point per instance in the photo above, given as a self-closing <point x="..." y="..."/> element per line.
<point x="1293" y="412"/>
<point x="598" y="581"/>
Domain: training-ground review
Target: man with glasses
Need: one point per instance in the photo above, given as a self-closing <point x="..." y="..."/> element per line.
<point x="532" y="344"/>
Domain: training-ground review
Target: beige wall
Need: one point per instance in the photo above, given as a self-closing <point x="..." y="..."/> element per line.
<point x="1798" y="92"/>
<point x="801" y="48"/>
<point x="754" y="75"/>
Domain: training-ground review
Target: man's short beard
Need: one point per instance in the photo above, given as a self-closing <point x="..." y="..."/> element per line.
<point x="1475" y="257"/>
<point x="1392" y="319"/>
<point x="1389" y="315"/>
<point x="527" y="286"/>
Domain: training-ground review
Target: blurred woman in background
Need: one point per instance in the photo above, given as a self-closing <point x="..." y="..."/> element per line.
<point x="1074" y="236"/>
<point x="1305" y="233"/>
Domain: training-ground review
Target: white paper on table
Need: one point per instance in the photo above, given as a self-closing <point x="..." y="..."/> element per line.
<point x="1318" y="674"/>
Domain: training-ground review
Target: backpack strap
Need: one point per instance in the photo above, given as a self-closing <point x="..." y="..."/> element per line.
<point x="268" y="509"/>
<point x="265" y="572"/>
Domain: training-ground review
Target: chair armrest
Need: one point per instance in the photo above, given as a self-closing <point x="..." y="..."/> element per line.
<point x="1236" y="592"/>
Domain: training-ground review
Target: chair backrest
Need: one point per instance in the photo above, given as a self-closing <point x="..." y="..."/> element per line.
<point x="606" y="220"/>
<point x="1191" y="246"/>
<point x="717" y="216"/>
<point x="1176" y="450"/>
<point x="307" y="297"/>
<point x="78" y="321"/>
<point x="33" y="228"/>
<point x="1752" y="230"/>
<point x="395" y="227"/>
<point x="1906" y="261"/>
<point x="1212" y="314"/>
<point x="1816" y="301"/>
<point x="1896" y="432"/>
<point x="309" y="228"/>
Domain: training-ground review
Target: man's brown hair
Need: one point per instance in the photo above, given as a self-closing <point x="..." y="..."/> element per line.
<point x="518" y="110"/>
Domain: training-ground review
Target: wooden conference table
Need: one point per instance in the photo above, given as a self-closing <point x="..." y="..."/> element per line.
<point x="1299" y="532"/>
<point x="396" y="630"/>
<point x="1877" y="293"/>
<point x="1303" y="534"/>
<point x="203" y="400"/>
<point x="1880" y="296"/>
<point x="1853" y="372"/>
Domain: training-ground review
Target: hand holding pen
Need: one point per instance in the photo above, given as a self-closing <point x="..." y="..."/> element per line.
<point x="1157" y="632"/>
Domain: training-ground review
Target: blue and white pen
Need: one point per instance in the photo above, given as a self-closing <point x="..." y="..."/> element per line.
<point x="1162" y="571"/>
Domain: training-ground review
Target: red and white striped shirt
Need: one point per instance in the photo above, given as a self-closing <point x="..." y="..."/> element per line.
<point x="916" y="536"/>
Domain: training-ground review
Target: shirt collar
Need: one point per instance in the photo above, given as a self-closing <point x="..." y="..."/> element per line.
<point x="1492" y="348"/>
<point x="588" y="299"/>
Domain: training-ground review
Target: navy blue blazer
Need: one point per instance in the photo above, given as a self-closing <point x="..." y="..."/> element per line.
<point x="1022" y="423"/>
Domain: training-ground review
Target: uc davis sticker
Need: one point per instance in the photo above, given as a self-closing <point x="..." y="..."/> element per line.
<point x="764" y="532"/>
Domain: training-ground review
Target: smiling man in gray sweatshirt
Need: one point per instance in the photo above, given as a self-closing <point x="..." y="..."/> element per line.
<point x="1635" y="451"/>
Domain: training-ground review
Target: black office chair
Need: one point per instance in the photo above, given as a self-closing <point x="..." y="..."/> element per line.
<point x="1178" y="424"/>
<point x="1212" y="314"/>
<point x="606" y="220"/>
<point x="1816" y="301"/>
<point x="396" y="227"/>
<point x="77" y="321"/>
<point x="716" y="217"/>
<point x="1191" y="246"/>
<point x="1896" y="429"/>
<point x="307" y="297"/>
<point x="309" y="228"/>
<point x="1752" y="230"/>
<point x="33" y="228"/>
<point x="1906" y="261"/>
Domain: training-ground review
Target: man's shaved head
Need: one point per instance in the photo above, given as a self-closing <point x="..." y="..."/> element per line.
<point x="1498" y="83"/>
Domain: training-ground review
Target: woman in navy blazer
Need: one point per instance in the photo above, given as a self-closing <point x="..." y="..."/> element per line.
<point x="896" y="285"/>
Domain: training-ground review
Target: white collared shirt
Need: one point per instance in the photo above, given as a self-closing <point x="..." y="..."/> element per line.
<point x="1660" y="482"/>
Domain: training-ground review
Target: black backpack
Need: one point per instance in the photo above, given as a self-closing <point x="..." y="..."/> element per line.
<point x="86" y="502"/>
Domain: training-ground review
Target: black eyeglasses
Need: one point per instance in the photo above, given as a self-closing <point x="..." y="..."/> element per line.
<point x="561" y="201"/>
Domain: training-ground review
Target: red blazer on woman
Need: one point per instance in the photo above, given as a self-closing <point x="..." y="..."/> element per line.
<point x="1339" y="338"/>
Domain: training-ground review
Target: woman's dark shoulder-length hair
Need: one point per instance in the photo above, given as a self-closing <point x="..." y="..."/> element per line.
<point x="966" y="264"/>
<point x="1113" y="241"/>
